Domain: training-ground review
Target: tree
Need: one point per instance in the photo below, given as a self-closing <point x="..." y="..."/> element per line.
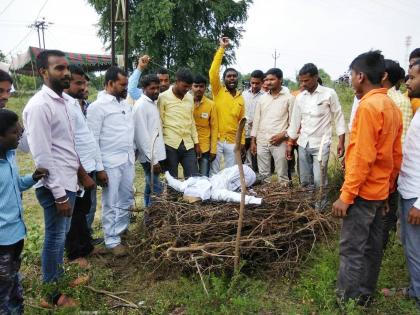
<point x="177" y="33"/>
<point x="2" y="57"/>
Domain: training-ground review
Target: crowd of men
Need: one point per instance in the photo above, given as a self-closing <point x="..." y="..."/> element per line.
<point x="76" y="146"/>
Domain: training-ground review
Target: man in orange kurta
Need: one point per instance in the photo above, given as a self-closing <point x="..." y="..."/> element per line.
<point x="373" y="160"/>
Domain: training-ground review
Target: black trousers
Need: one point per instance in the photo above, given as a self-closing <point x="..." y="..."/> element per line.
<point x="79" y="239"/>
<point x="187" y="158"/>
<point x="360" y="249"/>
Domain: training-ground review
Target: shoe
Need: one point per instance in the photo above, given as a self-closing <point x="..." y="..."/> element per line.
<point x="99" y="250"/>
<point x="79" y="281"/>
<point x="82" y="262"/>
<point x="119" y="251"/>
<point x="97" y="241"/>
<point x="63" y="301"/>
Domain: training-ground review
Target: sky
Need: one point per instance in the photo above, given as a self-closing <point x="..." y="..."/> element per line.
<point x="329" y="33"/>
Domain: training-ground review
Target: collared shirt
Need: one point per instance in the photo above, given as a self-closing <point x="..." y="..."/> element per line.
<point x="86" y="146"/>
<point x="111" y="122"/>
<point x="415" y="104"/>
<point x="251" y="100"/>
<point x="177" y="119"/>
<point x="354" y="108"/>
<point x="272" y="116"/>
<point x="133" y="81"/>
<point x="403" y="103"/>
<point x="205" y="117"/>
<point x="409" y="178"/>
<point x="12" y="227"/>
<point x="314" y="113"/>
<point x="49" y="127"/>
<point x="373" y="157"/>
<point x="146" y="127"/>
<point x="230" y="109"/>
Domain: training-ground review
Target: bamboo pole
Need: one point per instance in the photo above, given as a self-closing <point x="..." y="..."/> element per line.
<point x="238" y="158"/>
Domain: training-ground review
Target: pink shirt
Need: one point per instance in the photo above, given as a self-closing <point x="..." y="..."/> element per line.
<point x="49" y="129"/>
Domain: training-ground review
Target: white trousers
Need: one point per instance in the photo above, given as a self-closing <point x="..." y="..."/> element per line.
<point x="117" y="199"/>
<point x="225" y="152"/>
<point x="264" y="154"/>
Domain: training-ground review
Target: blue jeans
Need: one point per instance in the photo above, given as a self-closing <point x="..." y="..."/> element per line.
<point x="11" y="291"/>
<point x="90" y="217"/>
<point x="56" y="228"/>
<point x="157" y="184"/>
<point x="204" y="164"/>
<point x="410" y="237"/>
<point x="310" y="170"/>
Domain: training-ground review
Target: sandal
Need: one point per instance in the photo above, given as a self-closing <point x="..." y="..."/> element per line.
<point x="395" y="292"/>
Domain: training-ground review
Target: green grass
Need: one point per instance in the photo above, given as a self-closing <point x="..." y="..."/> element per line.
<point x="312" y="292"/>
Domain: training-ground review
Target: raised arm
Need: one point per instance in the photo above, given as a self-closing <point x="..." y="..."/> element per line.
<point x="214" y="71"/>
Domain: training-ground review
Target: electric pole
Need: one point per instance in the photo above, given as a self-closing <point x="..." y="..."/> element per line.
<point x="41" y="26"/>
<point x="119" y="14"/>
<point x="275" y="57"/>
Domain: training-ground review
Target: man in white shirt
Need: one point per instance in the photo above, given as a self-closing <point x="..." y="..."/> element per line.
<point x="49" y="127"/>
<point x="314" y="111"/>
<point x="78" y="241"/>
<point x="111" y="120"/>
<point x="271" y="120"/>
<point x="148" y="135"/>
<point x="409" y="188"/>
<point x="251" y="97"/>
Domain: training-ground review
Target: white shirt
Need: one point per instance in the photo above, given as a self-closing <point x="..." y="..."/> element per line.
<point x="146" y="126"/>
<point x="314" y="113"/>
<point x="354" y="108"/>
<point x="112" y="125"/>
<point x="86" y="146"/>
<point x="251" y="100"/>
<point x="272" y="116"/>
<point x="409" y="179"/>
<point x="49" y="128"/>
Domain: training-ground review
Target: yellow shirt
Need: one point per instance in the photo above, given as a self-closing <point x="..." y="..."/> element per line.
<point x="415" y="104"/>
<point x="230" y="109"/>
<point x="205" y="117"/>
<point x="177" y="119"/>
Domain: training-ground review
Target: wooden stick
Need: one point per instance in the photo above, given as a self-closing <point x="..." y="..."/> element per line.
<point x="238" y="158"/>
<point x="154" y="137"/>
<point x="199" y="273"/>
<point x="112" y="295"/>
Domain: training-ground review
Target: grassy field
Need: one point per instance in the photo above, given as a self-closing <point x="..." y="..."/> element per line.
<point x="311" y="292"/>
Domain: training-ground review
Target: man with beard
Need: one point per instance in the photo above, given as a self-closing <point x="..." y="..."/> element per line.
<point x="50" y="133"/>
<point x="147" y="134"/>
<point x="78" y="241"/>
<point x="111" y="121"/>
<point x="229" y="107"/>
<point x="5" y="87"/>
<point x="251" y="97"/>
<point x="271" y="120"/>
<point x="413" y="58"/>
<point x="408" y="187"/>
<point x="176" y="107"/>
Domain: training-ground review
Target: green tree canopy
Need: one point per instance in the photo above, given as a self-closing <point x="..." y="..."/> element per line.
<point x="177" y="33"/>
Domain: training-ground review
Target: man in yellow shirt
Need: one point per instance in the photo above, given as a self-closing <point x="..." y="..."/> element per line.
<point x="176" y="107"/>
<point x="205" y="117"/>
<point x="229" y="107"/>
<point x="414" y="56"/>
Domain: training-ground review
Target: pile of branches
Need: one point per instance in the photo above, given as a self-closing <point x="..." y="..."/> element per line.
<point x="277" y="235"/>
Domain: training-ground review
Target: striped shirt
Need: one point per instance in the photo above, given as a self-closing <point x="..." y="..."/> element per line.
<point x="403" y="103"/>
<point x="12" y="227"/>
